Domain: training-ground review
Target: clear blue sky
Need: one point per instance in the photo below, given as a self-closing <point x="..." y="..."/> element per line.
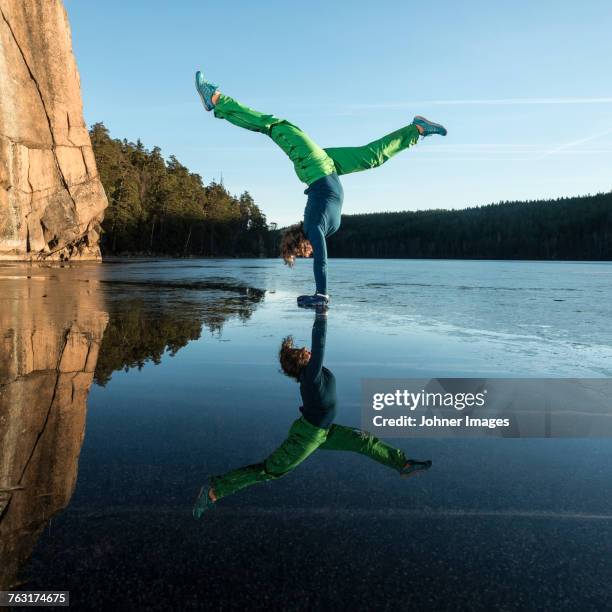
<point x="525" y="89"/>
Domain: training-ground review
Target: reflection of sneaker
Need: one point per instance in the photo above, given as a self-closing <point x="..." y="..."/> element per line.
<point x="429" y="127"/>
<point x="318" y="300"/>
<point x="203" y="501"/>
<point x="414" y="467"/>
<point x="206" y="91"/>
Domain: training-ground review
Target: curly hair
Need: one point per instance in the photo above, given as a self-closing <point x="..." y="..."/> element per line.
<point x="294" y="244"/>
<point x="292" y="360"/>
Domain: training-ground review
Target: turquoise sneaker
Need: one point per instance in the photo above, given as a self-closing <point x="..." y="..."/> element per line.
<point x="202" y="502"/>
<point x="206" y="90"/>
<point x="429" y="127"/>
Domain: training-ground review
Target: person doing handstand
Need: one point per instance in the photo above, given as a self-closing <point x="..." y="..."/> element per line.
<point x="320" y="169"/>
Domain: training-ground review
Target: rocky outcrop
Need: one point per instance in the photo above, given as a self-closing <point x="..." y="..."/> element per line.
<point x="51" y="199"/>
<point x="51" y="328"/>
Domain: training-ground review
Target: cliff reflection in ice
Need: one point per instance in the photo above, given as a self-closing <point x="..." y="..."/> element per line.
<point x="61" y="329"/>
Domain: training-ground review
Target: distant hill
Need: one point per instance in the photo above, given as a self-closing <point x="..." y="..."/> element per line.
<point x="567" y="228"/>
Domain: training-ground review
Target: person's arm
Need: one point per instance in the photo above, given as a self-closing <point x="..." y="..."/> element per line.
<point x="317" y="350"/>
<point x="316" y="238"/>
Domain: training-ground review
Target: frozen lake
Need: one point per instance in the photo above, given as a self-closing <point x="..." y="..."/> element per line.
<point x="183" y="355"/>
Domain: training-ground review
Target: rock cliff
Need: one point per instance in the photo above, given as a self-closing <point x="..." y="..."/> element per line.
<point x="49" y="343"/>
<point x="51" y="199"/>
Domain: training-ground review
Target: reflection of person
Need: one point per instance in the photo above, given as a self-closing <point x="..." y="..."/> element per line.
<point x="319" y="169"/>
<point x="312" y="431"/>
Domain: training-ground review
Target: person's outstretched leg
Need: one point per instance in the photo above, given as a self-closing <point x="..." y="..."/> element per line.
<point x="344" y="438"/>
<point x="309" y="159"/>
<point x="303" y="440"/>
<point x="216" y="487"/>
<point x="376" y="153"/>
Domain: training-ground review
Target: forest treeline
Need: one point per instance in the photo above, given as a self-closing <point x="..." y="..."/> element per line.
<point x="159" y="207"/>
<point x="150" y="319"/>
<point x="566" y="228"/>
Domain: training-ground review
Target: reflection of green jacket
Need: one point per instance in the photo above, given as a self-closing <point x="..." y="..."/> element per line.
<point x="303" y="440"/>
